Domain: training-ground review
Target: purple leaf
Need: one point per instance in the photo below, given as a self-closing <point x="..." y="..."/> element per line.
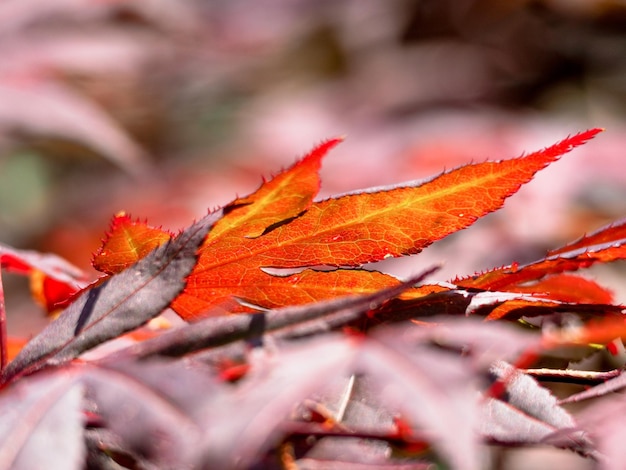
<point x="355" y="409"/>
<point x="154" y="409"/>
<point x="481" y="343"/>
<point x="42" y="424"/>
<point x="122" y="303"/>
<point x="502" y="422"/>
<point x="245" y="422"/>
<point x="432" y="389"/>
<point x="288" y="322"/>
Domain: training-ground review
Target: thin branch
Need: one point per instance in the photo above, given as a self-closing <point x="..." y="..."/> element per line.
<point x="580" y="377"/>
<point x="345" y="399"/>
<point x="3" y="328"/>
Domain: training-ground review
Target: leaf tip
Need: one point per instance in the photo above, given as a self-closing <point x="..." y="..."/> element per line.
<point x="323" y="147"/>
<point x="583" y="137"/>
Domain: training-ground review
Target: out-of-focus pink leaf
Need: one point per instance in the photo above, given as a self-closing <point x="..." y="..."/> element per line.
<point x="266" y="398"/>
<point x="600" y="390"/>
<point x="53" y="279"/>
<point x="604" y="421"/>
<point x="35" y="108"/>
<point x="42" y="424"/>
<point x="528" y="413"/>
<point x="482" y="343"/>
<point x="166" y="402"/>
<point x="55" y="53"/>
<point x="169" y="15"/>
<point x="406" y="376"/>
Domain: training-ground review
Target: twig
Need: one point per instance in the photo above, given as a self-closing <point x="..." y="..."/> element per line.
<point x="3" y="328"/>
<point x="581" y="377"/>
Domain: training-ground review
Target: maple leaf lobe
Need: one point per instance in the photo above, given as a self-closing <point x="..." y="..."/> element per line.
<point x="127" y="242"/>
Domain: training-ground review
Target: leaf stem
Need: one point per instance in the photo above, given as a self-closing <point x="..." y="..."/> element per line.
<point x="3" y="328"/>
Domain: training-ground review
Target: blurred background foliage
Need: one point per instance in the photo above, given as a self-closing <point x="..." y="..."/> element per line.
<point x="166" y="109"/>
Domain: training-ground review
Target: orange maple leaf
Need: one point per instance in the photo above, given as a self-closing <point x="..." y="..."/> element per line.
<point x="280" y="226"/>
<point x="601" y="246"/>
<point x="126" y="243"/>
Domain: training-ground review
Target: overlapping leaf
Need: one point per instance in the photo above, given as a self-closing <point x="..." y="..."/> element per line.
<point x="567" y="288"/>
<point x="610" y="386"/>
<point x="604" y="245"/>
<point x="42" y="424"/>
<point x="120" y="304"/>
<point x="132" y="241"/>
<point x="166" y="402"/>
<point x="544" y="282"/>
<point x="53" y="279"/>
<point x="280" y="227"/>
<point x="288" y="322"/>
<point x="513" y="305"/>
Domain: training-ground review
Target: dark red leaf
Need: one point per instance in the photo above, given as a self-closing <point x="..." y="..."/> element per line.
<point x="53" y="279"/>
